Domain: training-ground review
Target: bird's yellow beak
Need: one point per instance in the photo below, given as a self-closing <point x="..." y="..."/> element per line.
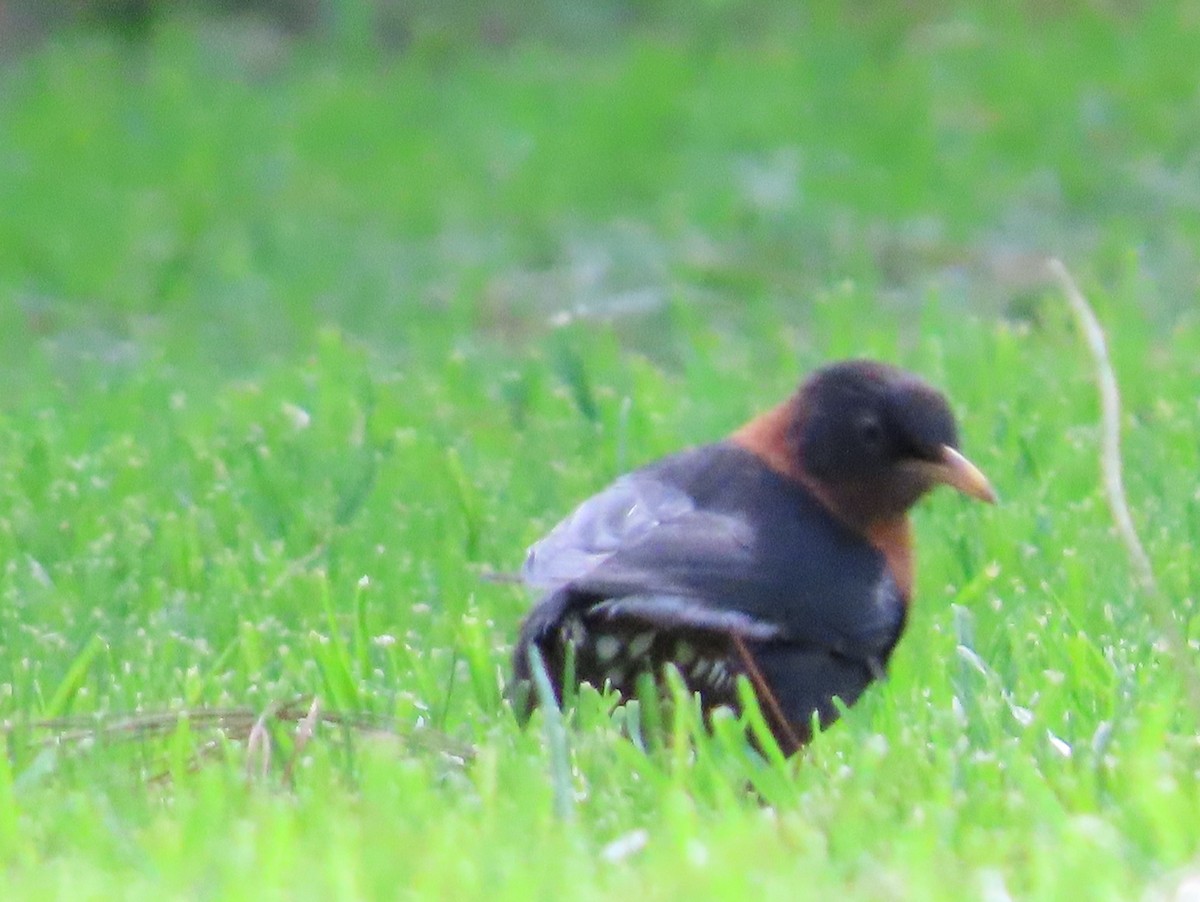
<point x="956" y="471"/>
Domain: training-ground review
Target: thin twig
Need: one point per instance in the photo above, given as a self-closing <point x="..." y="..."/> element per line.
<point x="78" y="734"/>
<point x="1114" y="485"/>
<point x="305" y="730"/>
<point x="259" y="744"/>
<point x="785" y="734"/>
<point x="236" y="723"/>
<point x="1110" y="425"/>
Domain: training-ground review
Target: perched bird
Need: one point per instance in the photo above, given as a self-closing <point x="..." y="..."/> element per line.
<point x="782" y="554"/>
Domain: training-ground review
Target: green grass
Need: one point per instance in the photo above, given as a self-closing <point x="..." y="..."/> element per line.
<point x="297" y="344"/>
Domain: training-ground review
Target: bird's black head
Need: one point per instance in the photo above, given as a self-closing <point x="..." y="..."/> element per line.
<point x="874" y="439"/>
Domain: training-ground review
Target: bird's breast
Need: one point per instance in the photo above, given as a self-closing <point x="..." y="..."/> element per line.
<point x="893" y="539"/>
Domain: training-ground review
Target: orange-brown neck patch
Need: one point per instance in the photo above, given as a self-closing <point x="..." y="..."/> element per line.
<point x="766" y="436"/>
<point x="893" y="539"/>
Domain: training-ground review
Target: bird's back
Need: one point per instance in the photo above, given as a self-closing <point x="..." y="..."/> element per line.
<point x="701" y="559"/>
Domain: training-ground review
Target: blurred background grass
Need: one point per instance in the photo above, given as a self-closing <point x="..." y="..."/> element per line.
<point x="218" y="180"/>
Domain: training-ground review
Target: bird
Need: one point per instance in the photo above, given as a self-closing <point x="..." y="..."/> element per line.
<point x="782" y="554"/>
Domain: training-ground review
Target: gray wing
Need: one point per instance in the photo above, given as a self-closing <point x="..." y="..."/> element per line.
<point x="643" y="550"/>
<point x="626" y="513"/>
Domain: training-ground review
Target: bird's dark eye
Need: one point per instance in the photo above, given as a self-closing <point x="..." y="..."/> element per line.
<point x="870" y="430"/>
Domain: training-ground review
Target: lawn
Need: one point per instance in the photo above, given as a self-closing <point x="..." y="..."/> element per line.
<point x="303" y="340"/>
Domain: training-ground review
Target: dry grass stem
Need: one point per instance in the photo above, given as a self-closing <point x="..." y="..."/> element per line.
<point x="1114" y="484"/>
